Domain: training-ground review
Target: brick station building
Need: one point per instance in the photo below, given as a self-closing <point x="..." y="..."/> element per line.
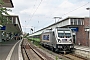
<point x="79" y="27"/>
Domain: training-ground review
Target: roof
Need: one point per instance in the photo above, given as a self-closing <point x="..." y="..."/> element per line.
<point x="8" y="3"/>
<point x="60" y="21"/>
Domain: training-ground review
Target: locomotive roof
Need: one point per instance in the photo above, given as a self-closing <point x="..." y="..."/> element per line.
<point x="63" y="28"/>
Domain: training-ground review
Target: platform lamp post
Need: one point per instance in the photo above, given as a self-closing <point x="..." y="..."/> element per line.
<point x="89" y="25"/>
<point x="89" y="29"/>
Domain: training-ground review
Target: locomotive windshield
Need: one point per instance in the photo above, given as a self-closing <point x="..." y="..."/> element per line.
<point x="63" y="34"/>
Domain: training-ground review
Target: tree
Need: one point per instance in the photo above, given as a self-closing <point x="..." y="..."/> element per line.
<point x="3" y="12"/>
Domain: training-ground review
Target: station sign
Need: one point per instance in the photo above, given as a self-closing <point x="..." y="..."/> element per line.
<point x="3" y="28"/>
<point x="74" y="29"/>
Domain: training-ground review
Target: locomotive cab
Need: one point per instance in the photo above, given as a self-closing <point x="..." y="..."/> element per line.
<point x="64" y="40"/>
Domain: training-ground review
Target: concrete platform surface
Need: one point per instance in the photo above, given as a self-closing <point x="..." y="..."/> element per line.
<point x="9" y="50"/>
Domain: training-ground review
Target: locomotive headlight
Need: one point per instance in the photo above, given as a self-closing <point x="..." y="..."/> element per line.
<point x="70" y="40"/>
<point x="59" y="46"/>
<point x="59" y="40"/>
<point x="71" y="46"/>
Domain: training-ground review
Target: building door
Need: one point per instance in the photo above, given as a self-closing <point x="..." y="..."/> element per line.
<point x="74" y="39"/>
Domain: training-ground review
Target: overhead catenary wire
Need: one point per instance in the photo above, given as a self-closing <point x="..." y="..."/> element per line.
<point x="61" y="15"/>
<point x="72" y="10"/>
<point x="75" y="9"/>
<point x="35" y="9"/>
<point x="34" y="6"/>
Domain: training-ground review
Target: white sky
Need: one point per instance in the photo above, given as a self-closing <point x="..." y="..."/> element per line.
<point x="40" y="13"/>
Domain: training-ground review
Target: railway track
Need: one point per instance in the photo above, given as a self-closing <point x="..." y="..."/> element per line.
<point x="29" y="53"/>
<point x="73" y="57"/>
<point x="69" y="56"/>
<point x="32" y="53"/>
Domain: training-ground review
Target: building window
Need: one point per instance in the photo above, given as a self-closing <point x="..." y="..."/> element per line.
<point x="71" y="21"/>
<point x="9" y="20"/>
<point x="14" y="20"/>
<point x="79" y="21"/>
<point x="82" y="22"/>
<point x="75" y="21"/>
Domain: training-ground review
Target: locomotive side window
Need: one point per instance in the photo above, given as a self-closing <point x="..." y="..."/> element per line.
<point x="45" y="37"/>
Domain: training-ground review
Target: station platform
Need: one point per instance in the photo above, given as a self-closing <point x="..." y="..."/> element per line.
<point x="82" y="51"/>
<point x="83" y="48"/>
<point x="10" y="50"/>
